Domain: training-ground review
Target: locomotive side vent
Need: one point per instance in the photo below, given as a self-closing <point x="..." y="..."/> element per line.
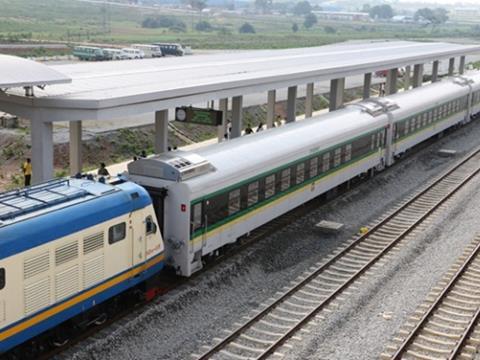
<point x="37" y="295"/>
<point x="66" y="253"/>
<point x="92" y="243"/>
<point x="66" y="283"/>
<point x="93" y="271"/>
<point x="36" y="265"/>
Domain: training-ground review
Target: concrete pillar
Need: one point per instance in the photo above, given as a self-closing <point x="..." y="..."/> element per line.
<point x="367" y="84"/>
<point x="42" y="151"/>
<point x="237" y="116"/>
<point x="337" y="88"/>
<point x="309" y="101"/>
<point x="161" y="131"/>
<point x="451" y="66"/>
<point x="461" y="67"/>
<point x="75" y="147"/>
<point x="271" y="108"/>
<point x="406" y="77"/>
<point x="418" y="75"/>
<point x="291" y="104"/>
<point x="222" y="128"/>
<point x="435" y="65"/>
<point x="391" y="84"/>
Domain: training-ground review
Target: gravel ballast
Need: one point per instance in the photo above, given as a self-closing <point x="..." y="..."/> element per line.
<point x="180" y="322"/>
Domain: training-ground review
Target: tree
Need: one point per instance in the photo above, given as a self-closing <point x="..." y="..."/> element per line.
<point x="246" y="28"/>
<point x="302" y="8"/>
<point x="294" y="27"/>
<point x="203" y="26"/>
<point x="366" y="8"/>
<point x="435" y="16"/>
<point x="309" y="20"/>
<point x="381" y="12"/>
<point x="196" y="4"/>
<point x="263" y="6"/>
<point x="329" y="29"/>
<point x="162" y="21"/>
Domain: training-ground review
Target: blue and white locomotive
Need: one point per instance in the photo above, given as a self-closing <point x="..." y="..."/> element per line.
<point x="66" y="246"/>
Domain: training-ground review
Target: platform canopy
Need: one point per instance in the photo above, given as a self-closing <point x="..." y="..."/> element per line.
<point x="107" y="90"/>
<point x="17" y="72"/>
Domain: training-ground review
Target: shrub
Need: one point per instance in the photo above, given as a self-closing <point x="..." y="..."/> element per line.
<point x="246" y="28"/>
<point x="203" y="26"/>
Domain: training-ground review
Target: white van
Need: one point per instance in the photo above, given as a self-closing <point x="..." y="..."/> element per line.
<point x="131" y="53"/>
<point x="114" y="54"/>
<point x="150" y="51"/>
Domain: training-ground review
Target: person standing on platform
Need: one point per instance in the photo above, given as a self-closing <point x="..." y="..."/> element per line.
<point x="27" y="171"/>
<point x="103" y="170"/>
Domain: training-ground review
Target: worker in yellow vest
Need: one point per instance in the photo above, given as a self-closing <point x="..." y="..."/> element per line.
<point x="27" y="171"/>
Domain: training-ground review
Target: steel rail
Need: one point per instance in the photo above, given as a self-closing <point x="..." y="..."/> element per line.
<point x="236" y="333"/>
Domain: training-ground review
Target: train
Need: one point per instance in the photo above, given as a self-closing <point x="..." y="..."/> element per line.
<point x="70" y="246"/>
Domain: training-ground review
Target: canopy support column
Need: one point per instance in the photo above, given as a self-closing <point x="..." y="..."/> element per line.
<point x="406" y="78"/>
<point x="291" y="104"/>
<point x="309" y="101"/>
<point x="337" y="88"/>
<point x="237" y="116"/>
<point x="271" y="108"/>
<point x="435" y="65"/>
<point x="75" y="128"/>
<point x="451" y="66"/>
<point x="222" y="128"/>
<point x="367" y="84"/>
<point x="42" y="151"/>
<point x="417" y="75"/>
<point x="391" y="85"/>
<point x="461" y="67"/>
<point x="161" y="131"/>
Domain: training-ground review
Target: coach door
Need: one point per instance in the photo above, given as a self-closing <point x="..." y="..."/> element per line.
<point x="158" y="201"/>
<point x="197" y="228"/>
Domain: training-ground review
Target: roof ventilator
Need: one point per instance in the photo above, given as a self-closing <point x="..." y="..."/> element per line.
<point x="177" y="166"/>
<point x="462" y="81"/>
<point x="377" y="107"/>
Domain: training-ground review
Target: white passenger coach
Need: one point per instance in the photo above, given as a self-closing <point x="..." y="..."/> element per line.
<point x="211" y="197"/>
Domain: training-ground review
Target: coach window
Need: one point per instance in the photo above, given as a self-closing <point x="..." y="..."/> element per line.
<point x="252" y="193"/>
<point x="412" y="125"/>
<point x="407" y="127"/>
<point x="285" y="179"/>
<point x="150" y="226"/>
<point x="313" y="167"/>
<point x="117" y="233"/>
<point x="269" y="186"/>
<point x="2" y="278"/>
<point x="326" y="162"/>
<point x="348" y="152"/>
<point x="197" y="216"/>
<point x="337" y="157"/>
<point x="300" y="173"/>
<point x="234" y="202"/>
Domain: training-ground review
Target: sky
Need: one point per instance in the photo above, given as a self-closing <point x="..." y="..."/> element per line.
<point x="443" y="1"/>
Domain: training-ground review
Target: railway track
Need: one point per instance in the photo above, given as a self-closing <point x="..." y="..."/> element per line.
<point x="264" y="334"/>
<point x="445" y="325"/>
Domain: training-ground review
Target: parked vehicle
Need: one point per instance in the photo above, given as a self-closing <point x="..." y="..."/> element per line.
<point x="89" y="53"/>
<point x="131" y="53"/>
<point x="171" y="49"/>
<point x="150" y="51"/>
<point x="114" y="54"/>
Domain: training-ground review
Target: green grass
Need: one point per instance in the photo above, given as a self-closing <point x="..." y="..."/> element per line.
<point x="70" y="20"/>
